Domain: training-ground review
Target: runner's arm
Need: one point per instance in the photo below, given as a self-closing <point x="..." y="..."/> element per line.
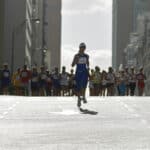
<point x="75" y="59"/>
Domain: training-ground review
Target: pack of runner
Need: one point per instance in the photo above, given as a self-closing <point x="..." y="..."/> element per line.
<point x="42" y="82"/>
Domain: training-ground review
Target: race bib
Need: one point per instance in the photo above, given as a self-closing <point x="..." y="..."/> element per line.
<point x="24" y="74"/>
<point x="48" y="79"/>
<point x="140" y="77"/>
<point x="6" y="74"/>
<point x="82" y="60"/>
<point x="35" y="79"/>
<point x="43" y="77"/>
<point x="17" y="77"/>
<point x="55" y="77"/>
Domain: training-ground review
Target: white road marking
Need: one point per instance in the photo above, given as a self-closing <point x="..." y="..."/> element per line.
<point x="136" y="115"/>
<point x="14" y="105"/>
<point x="143" y="121"/>
<point x="5" y="113"/>
<point x="8" y="110"/>
<point x="1" y="117"/>
<point x="66" y="112"/>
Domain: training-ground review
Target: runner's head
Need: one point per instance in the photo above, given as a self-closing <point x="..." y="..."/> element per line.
<point x="5" y="65"/>
<point x="132" y="68"/>
<point x="63" y="69"/>
<point x="42" y="68"/>
<point x="25" y="67"/>
<point x="141" y="69"/>
<point x="92" y="71"/>
<point x="122" y="71"/>
<point x="18" y="70"/>
<point x="47" y="72"/>
<point x="97" y="69"/>
<point x="34" y="68"/>
<point x="56" y="70"/>
<point x="82" y="47"/>
<point x="110" y="69"/>
<point x="126" y="68"/>
<point x="72" y="71"/>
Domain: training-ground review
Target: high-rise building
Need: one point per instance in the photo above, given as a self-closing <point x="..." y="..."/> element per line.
<point x="52" y="33"/>
<point x="30" y="33"/>
<point x="122" y="26"/>
<point x="1" y="29"/>
<point x="125" y="14"/>
<point x="140" y="7"/>
<point x="16" y="26"/>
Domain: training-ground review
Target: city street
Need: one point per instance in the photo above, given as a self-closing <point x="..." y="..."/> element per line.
<point x="56" y="124"/>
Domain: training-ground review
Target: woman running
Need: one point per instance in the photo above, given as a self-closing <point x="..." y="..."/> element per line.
<point x="122" y="84"/>
<point x="81" y="60"/>
<point x="97" y="82"/>
<point x="16" y="80"/>
<point x="35" y="82"/>
<point x="56" y="82"/>
<point x="127" y="74"/>
<point x="104" y="83"/>
<point x="6" y="79"/>
<point x="71" y="83"/>
<point x="64" y="81"/>
<point x="110" y="82"/>
<point x="42" y="81"/>
<point x="91" y="83"/>
<point x="132" y="81"/>
<point x="141" y="84"/>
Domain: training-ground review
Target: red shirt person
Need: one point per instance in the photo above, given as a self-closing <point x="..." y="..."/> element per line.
<point x="25" y="76"/>
<point x="140" y="79"/>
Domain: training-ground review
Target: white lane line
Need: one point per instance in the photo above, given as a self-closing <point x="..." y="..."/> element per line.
<point x="14" y="105"/>
<point x="5" y="113"/>
<point x="143" y="121"/>
<point x="128" y="108"/>
<point x="136" y="115"/>
<point x="8" y="110"/>
<point x="1" y="117"/>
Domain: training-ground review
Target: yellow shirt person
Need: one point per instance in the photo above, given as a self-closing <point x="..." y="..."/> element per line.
<point x="16" y="79"/>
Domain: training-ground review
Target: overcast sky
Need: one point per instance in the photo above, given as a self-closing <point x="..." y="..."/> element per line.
<point x="88" y="21"/>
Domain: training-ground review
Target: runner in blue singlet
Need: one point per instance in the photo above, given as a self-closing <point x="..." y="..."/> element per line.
<point x="81" y="60"/>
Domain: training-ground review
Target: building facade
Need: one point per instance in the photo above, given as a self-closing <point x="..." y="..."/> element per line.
<point x="122" y="27"/>
<point x="139" y="8"/>
<point x="52" y="33"/>
<point x="1" y="29"/>
<point x="31" y="33"/>
<point x="16" y="33"/>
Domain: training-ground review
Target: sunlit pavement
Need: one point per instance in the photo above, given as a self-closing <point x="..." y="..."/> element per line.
<point x="56" y="124"/>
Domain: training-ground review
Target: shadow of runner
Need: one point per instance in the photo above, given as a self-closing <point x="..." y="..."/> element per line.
<point x="87" y="111"/>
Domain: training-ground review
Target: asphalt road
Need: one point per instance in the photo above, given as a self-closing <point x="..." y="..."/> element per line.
<point x="57" y="124"/>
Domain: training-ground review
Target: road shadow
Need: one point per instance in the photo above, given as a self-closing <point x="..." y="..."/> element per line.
<point x="87" y="111"/>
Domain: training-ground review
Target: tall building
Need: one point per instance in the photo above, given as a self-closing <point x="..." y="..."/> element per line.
<point x="52" y="33"/>
<point x="17" y="32"/>
<point x="30" y="33"/>
<point x="140" y="7"/>
<point x="125" y="14"/>
<point x="1" y="29"/>
<point x="122" y="26"/>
